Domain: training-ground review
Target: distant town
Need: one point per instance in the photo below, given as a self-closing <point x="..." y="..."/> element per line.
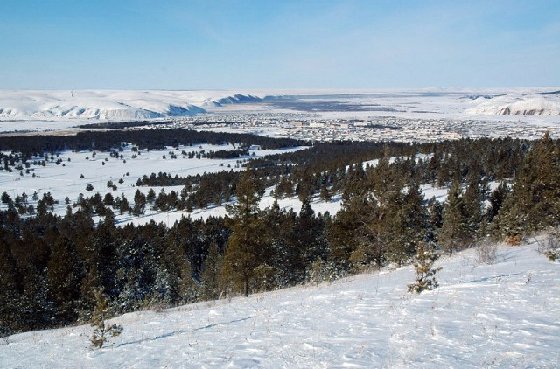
<point x="306" y="127"/>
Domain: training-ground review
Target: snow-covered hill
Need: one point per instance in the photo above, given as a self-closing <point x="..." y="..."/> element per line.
<point x="517" y="104"/>
<point x="84" y="105"/>
<point x="505" y="315"/>
<point x="110" y="105"/>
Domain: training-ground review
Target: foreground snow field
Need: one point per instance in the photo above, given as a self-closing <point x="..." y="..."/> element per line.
<point x="505" y="315"/>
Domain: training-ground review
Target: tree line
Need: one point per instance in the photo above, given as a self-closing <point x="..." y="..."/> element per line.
<point x="50" y="266"/>
<point x="151" y="139"/>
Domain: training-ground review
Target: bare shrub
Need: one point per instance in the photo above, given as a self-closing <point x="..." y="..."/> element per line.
<point x="550" y="247"/>
<point x="514" y="240"/>
<point x="486" y="252"/>
<point x="322" y="271"/>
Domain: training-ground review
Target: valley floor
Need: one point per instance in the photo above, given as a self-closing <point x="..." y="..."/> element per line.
<point x="505" y="315"/>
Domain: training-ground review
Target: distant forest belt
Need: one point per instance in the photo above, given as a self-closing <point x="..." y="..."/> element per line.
<point x="144" y="123"/>
<point x="151" y="139"/>
<point x="122" y="125"/>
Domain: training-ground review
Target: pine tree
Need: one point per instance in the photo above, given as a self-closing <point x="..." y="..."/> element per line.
<point x="9" y="295"/>
<point x="124" y="205"/>
<point x="435" y="219"/>
<point x="139" y="203"/>
<point x="310" y="243"/>
<point x="64" y="273"/>
<point x="102" y="332"/>
<point x="353" y="235"/>
<point x="472" y="200"/>
<point x="414" y="220"/>
<point x="426" y="256"/>
<point x="304" y="188"/>
<point x="247" y="240"/>
<point x="284" y="188"/>
<point x="108" y="200"/>
<point x="285" y="253"/>
<point x="325" y="193"/>
<point x="497" y="198"/>
<point x="454" y="234"/>
<point x="534" y="201"/>
<point x="151" y="196"/>
<point x="210" y="275"/>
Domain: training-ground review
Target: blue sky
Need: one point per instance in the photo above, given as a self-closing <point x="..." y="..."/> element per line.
<point x="141" y="44"/>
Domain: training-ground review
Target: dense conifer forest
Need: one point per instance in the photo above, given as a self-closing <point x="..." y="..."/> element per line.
<point x="150" y="139"/>
<point x="52" y="266"/>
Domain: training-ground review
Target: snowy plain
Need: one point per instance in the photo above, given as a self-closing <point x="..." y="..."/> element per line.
<point x="24" y="110"/>
<point x="503" y="315"/>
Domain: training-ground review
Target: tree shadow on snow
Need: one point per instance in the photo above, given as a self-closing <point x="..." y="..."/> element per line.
<point x="178" y="332"/>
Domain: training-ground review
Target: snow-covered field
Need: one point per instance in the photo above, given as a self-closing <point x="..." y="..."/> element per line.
<point x="505" y="315"/>
<point x="63" y="180"/>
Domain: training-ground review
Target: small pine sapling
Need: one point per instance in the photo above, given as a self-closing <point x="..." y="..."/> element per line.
<point x="426" y="256"/>
<point x="102" y="332"/>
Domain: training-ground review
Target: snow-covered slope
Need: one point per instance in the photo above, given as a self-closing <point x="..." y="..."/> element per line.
<point x="505" y="315"/>
<point x="110" y="105"/>
<point x="238" y="99"/>
<point x="517" y="104"/>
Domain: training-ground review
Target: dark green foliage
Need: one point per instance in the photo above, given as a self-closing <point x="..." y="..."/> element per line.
<point x="380" y="222"/>
<point x="10" y="291"/>
<point x="534" y="201"/>
<point x="64" y="272"/>
<point x="139" y="203"/>
<point x="284" y="188"/>
<point x="210" y="283"/>
<point x="246" y="247"/>
<point x="325" y="194"/>
<point x="497" y="198"/>
<point x="455" y="234"/>
<point x="309" y="243"/>
<point x="152" y="139"/>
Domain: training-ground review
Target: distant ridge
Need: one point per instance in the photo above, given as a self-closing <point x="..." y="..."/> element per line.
<point x="112" y="105"/>
<point x="545" y="103"/>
